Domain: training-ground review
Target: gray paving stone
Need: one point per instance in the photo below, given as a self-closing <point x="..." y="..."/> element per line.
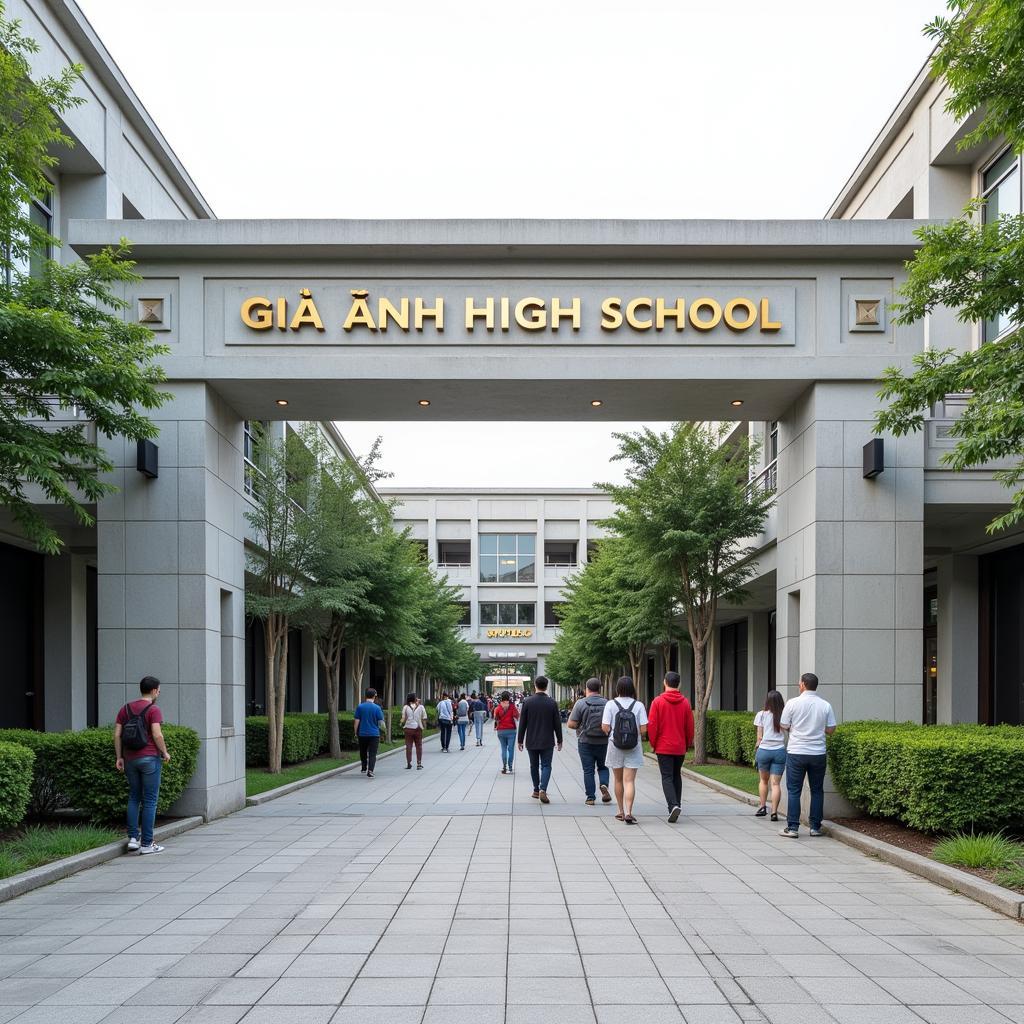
<point x="377" y="991"/>
<point x="394" y="1015"/>
<point x="306" y="992"/>
<point x="289" y="1015"/>
<point x="527" y="1013"/>
<point x="616" y="1014"/>
<point x="149" y="1014"/>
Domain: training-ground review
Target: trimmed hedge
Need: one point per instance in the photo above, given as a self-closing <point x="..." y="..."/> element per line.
<point x="15" y="783"/>
<point x="732" y="736"/>
<point x="305" y="735"/>
<point x="937" y="778"/>
<point x="76" y="769"/>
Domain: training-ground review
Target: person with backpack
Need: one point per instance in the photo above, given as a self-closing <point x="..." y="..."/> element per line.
<point x="462" y="720"/>
<point x="670" y="731"/>
<point x="479" y="710"/>
<point x="585" y="718"/>
<point x="624" y="722"/>
<point x="140" y="753"/>
<point x="540" y="731"/>
<point x="445" y="716"/>
<point x="506" y="721"/>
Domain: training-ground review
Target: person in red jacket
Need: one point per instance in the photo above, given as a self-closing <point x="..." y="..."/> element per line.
<point x="670" y="730"/>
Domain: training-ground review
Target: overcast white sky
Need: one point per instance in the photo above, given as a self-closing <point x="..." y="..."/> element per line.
<point x="534" y="108"/>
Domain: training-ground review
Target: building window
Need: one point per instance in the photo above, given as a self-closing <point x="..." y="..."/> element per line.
<point x="508" y="613"/>
<point x="40" y="214"/>
<point x="560" y="552"/>
<point x="1001" y="189"/>
<point x="253" y="431"/>
<point x="552" y="610"/>
<point x="768" y="478"/>
<point x="452" y="552"/>
<point x="464" y="613"/>
<point x="507" y="557"/>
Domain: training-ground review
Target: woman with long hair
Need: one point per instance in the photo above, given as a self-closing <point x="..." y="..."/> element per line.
<point x="770" y="758"/>
<point x="506" y="722"/>
<point x="624" y="722"/>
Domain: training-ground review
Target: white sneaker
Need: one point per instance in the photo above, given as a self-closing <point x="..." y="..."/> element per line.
<point x="133" y="845"/>
<point x="150" y="849"/>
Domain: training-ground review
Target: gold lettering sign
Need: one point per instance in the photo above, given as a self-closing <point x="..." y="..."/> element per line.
<point x="378" y="315"/>
<point x="493" y="634"/>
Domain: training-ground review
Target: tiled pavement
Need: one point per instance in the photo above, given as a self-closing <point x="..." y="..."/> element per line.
<point x="450" y="895"/>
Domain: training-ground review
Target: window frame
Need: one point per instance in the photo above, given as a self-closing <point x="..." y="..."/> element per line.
<point x="522" y="555"/>
<point x="1016" y="166"/>
<point x="517" y="607"/>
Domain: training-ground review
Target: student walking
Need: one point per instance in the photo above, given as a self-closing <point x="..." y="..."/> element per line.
<point x="479" y="709"/>
<point x="670" y="731"/>
<point x="808" y="719"/>
<point x="445" y="716"/>
<point x="770" y="758"/>
<point x="624" y="721"/>
<point x="540" y="731"/>
<point x="592" y="741"/>
<point x="140" y="752"/>
<point x="462" y="720"/>
<point x="367" y="718"/>
<point x="506" y="720"/>
<point x="414" y="721"/>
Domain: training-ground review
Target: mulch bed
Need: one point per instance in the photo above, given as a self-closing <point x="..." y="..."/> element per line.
<point x="910" y="839"/>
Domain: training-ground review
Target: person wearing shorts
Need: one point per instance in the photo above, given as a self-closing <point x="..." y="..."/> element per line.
<point x="770" y="758"/>
<point x="624" y="764"/>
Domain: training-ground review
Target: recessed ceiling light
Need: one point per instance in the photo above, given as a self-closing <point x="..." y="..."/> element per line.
<point x="282" y="401"/>
<point x="737" y="402"/>
<point x="596" y="402"/>
<point x="424" y="402"/>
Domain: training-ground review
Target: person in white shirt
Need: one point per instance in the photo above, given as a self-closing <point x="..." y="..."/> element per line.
<point x="624" y="722"/>
<point x="770" y="758"/>
<point x="808" y="719"/>
<point x="445" y="716"/>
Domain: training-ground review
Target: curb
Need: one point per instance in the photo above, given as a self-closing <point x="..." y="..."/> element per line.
<point x="1005" y="901"/>
<point x="995" y="897"/>
<point x="292" y="787"/>
<point x="36" y="878"/>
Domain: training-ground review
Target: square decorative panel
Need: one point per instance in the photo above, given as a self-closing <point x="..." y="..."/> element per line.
<point x="151" y="311"/>
<point x="866" y="314"/>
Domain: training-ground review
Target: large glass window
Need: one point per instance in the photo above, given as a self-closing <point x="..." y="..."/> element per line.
<point x="507" y="557"/>
<point x="508" y="613"/>
<point x="453" y="552"/>
<point x="1001" y="188"/>
<point x="40" y="213"/>
<point x="464" y="612"/>
<point x="559" y="552"/>
<point x="552" y="610"/>
<point x="251" y="432"/>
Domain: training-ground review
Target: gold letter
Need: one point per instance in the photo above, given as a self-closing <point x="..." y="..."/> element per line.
<point x="306" y="313"/>
<point x="677" y="312"/>
<point x="766" y="323"/>
<point x="359" y="314"/>
<point x="386" y="310"/>
<point x="435" y="312"/>
<point x="282" y="314"/>
<point x="539" y="319"/>
<point x="264" y="317"/>
<point x="486" y="311"/>
<point x="716" y="314"/>
<point x="730" y="314"/>
<point x="632" y="307"/>
<point x="557" y="312"/>
<point x="611" y="316"/>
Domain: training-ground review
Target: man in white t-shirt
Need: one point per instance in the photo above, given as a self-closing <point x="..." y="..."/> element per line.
<point x="808" y="719"/>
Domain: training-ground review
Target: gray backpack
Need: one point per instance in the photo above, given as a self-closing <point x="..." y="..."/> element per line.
<point x="589" y="729"/>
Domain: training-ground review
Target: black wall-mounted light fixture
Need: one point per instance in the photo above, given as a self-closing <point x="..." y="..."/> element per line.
<point x="147" y="459"/>
<point x="874" y="458"/>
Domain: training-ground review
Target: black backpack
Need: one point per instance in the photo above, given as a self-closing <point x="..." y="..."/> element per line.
<point x="589" y="727"/>
<point x="134" y="732"/>
<point x="625" y="731"/>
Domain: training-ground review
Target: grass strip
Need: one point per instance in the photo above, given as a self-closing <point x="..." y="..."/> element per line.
<point x="740" y="776"/>
<point x="42" y="844"/>
<point x="979" y="850"/>
<point x="259" y="780"/>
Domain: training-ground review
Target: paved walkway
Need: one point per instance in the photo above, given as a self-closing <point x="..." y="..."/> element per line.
<point x="450" y="895"/>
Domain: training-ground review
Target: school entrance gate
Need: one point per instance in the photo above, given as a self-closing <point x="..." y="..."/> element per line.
<point x="784" y="321"/>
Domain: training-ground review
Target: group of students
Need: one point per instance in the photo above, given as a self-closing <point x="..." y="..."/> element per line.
<point x="611" y="734"/>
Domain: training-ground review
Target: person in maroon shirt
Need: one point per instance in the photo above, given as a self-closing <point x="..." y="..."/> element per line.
<point x="142" y="765"/>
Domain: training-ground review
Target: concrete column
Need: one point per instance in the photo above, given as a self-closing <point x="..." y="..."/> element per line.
<point x="171" y="568"/>
<point x="64" y="625"/>
<point x="957" y="580"/>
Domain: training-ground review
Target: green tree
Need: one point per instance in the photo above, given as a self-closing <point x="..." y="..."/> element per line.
<point x="63" y="344"/>
<point x="973" y="265"/>
<point x="687" y="510"/>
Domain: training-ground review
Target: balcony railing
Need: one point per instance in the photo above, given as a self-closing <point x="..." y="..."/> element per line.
<point x="766" y="480"/>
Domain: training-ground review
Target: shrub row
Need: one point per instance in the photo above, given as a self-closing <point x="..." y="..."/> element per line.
<point x="937" y="778"/>
<point x="306" y="737"/>
<point x="732" y="735"/>
<point x="76" y="769"/>
<point x="16" y="764"/>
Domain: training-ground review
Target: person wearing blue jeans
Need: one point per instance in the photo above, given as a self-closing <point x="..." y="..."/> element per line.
<point x="540" y="769"/>
<point x="540" y="730"/>
<point x="808" y="720"/>
<point x="140" y="752"/>
<point x="585" y="720"/>
<point x="506" y="721"/>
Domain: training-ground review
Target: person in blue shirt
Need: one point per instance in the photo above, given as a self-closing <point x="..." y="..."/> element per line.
<point x="368" y="717"/>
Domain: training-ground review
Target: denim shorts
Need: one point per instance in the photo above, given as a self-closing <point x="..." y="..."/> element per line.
<point x="772" y="759"/>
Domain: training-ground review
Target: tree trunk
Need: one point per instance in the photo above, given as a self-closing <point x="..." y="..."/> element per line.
<point x="636" y="657"/>
<point x="270" y="677"/>
<point x="282" y="689"/>
<point x="389" y="692"/>
<point x="329" y="649"/>
<point x="360" y="652"/>
<point x="700" y="752"/>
